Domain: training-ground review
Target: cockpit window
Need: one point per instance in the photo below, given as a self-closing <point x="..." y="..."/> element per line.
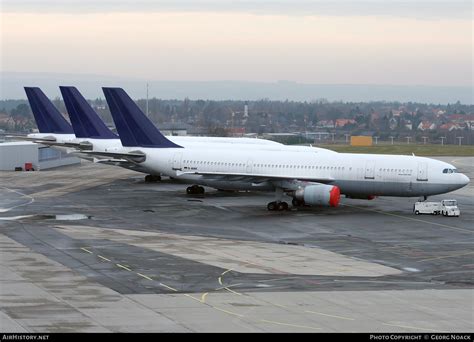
<point x="450" y="171"/>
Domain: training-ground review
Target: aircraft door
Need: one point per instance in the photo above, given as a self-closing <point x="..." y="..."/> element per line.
<point x="369" y="170"/>
<point x="249" y="166"/>
<point x="177" y="161"/>
<point x="422" y="174"/>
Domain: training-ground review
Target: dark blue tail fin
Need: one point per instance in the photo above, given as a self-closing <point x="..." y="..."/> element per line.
<point x="133" y="127"/>
<point x="85" y="121"/>
<point x="47" y="117"/>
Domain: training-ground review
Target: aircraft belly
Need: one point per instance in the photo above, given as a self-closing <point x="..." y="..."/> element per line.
<point x="398" y="189"/>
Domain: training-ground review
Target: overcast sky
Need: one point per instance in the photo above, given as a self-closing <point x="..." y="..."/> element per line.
<point x="349" y="42"/>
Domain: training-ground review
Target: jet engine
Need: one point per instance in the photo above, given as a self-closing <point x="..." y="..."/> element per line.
<point x="319" y="194"/>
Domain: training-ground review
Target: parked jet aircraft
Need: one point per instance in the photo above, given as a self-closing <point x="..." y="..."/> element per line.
<point x="88" y="131"/>
<point x="311" y="177"/>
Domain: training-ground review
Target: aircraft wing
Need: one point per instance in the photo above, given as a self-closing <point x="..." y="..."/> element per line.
<point x="286" y="181"/>
<point x="51" y="141"/>
<point x="134" y="156"/>
<point x="23" y="137"/>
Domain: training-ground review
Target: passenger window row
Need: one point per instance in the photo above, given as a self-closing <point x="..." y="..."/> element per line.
<point x="307" y="167"/>
<point x="396" y="170"/>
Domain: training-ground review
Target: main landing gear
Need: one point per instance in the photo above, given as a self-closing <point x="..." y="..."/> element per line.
<point x="195" y="190"/>
<point x="152" y="178"/>
<point x="277" y="206"/>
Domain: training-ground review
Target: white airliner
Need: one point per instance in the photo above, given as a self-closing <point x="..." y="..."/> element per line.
<point x="309" y="176"/>
<point x="88" y="132"/>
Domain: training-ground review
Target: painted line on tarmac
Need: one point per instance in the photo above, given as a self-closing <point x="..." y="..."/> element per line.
<point x="124" y="267"/>
<point x="204" y="295"/>
<point x="446" y="256"/>
<point x="169" y="287"/>
<point x="289" y="325"/>
<point x="334" y="316"/>
<point x="409" y="327"/>
<point x="144" y="276"/>
<point x="104" y="258"/>
<point x="227" y="312"/>
<point x="3" y="210"/>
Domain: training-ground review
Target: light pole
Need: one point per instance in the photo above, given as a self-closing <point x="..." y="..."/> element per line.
<point x="442" y="140"/>
<point x="460" y="138"/>
<point x="424" y="140"/>
<point x="147" y="100"/>
<point x="376" y="140"/>
<point x="408" y="140"/>
<point x="391" y="139"/>
<point x="347" y="138"/>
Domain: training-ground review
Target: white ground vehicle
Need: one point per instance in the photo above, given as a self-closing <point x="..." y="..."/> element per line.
<point x="445" y="208"/>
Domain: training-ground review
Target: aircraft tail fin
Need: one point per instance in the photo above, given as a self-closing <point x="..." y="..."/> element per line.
<point x="134" y="128"/>
<point x="85" y="121"/>
<point x="47" y="117"/>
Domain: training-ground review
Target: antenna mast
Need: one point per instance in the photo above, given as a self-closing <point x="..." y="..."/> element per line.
<point x="147" y="99"/>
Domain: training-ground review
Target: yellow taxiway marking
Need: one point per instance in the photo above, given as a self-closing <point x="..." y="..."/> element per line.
<point x="124" y="267"/>
<point x="103" y="258"/>
<point x="169" y="287"/>
<point x="86" y="250"/>
<point x="203" y="297"/>
<point x="412" y="219"/>
<point x="144" y="276"/>
<point x="446" y="256"/>
<point x="229" y="270"/>
<point x="227" y="312"/>
<point x="408" y="327"/>
<point x="290" y="325"/>
<point x="334" y="316"/>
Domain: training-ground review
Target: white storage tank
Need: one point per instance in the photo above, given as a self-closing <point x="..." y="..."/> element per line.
<point x="18" y="153"/>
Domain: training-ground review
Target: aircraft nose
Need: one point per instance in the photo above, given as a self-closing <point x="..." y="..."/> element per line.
<point x="464" y="179"/>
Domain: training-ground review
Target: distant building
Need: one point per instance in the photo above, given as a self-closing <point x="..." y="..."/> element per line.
<point x="236" y="131"/>
<point x="17" y="154"/>
<point x="450" y="126"/>
<point x="392" y="123"/>
<point x="426" y="126"/>
<point x="344" y="122"/>
<point x="408" y="125"/>
<point x="325" y="124"/>
<point x="174" y="128"/>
